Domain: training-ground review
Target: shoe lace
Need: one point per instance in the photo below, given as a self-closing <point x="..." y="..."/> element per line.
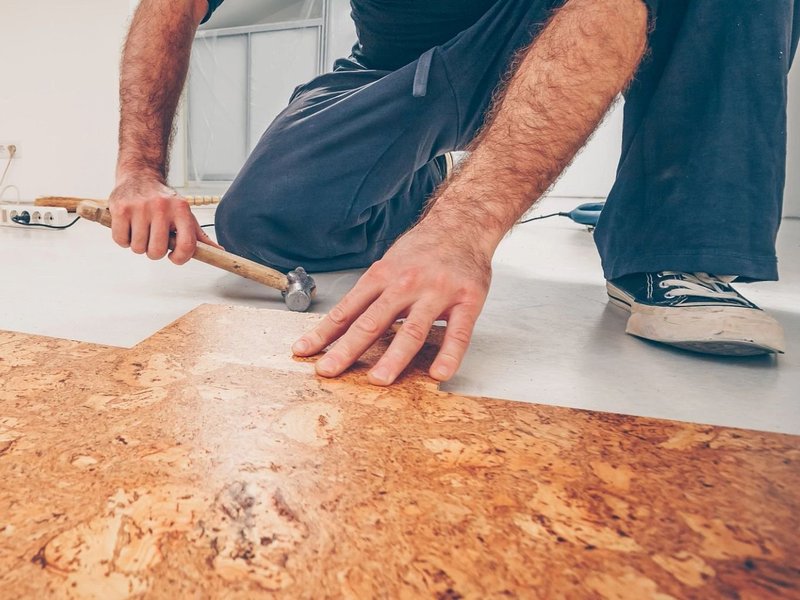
<point x="698" y="284"/>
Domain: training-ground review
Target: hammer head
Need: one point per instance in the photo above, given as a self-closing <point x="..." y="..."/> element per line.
<point x="300" y="291"/>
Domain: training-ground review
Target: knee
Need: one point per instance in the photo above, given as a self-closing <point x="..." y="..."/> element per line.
<point x="249" y="227"/>
<point x="270" y="227"/>
<point x="226" y="222"/>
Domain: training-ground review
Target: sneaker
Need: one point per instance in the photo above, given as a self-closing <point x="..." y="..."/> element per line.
<point x="695" y="311"/>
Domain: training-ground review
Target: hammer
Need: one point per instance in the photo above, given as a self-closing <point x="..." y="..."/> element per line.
<point x="298" y="287"/>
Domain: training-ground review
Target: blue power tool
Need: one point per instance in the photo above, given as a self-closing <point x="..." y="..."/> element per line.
<point x="585" y="214"/>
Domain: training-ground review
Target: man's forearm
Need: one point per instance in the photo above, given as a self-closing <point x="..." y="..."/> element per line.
<point x="561" y="88"/>
<point x="154" y="66"/>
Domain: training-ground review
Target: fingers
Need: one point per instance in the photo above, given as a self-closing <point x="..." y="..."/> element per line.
<point x="409" y="340"/>
<point x="158" y="243"/>
<point x="145" y="213"/>
<point x="336" y="322"/>
<point x="456" y="340"/>
<point x="404" y="347"/>
<point x="140" y="232"/>
<point x="361" y="318"/>
<point x="185" y="237"/>
<point x="121" y="228"/>
<point x="419" y="276"/>
<point x="359" y="337"/>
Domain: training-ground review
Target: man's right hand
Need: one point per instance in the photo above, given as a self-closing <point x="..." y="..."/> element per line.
<point x="145" y="213"/>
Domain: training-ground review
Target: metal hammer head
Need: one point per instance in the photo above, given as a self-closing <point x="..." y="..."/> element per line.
<point x="300" y="291"/>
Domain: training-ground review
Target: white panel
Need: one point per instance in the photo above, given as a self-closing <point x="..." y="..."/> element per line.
<point x="281" y="60"/>
<point x="217" y="108"/>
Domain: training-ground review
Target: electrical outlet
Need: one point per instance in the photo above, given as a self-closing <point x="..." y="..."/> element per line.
<point x="41" y="215"/>
<point x="5" y="152"/>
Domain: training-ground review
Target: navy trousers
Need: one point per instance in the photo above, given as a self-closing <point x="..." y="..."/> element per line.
<point x="347" y="167"/>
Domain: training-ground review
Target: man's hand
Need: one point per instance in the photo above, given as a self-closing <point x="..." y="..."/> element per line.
<point x="145" y="213"/>
<point x="425" y="276"/>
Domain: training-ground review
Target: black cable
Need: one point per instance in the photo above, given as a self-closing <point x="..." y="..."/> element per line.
<point x="558" y="214"/>
<point x="209" y="225"/>
<point x="20" y="220"/>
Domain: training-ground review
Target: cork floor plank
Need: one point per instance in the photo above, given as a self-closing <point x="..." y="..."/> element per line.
<point x="206" y="462"/>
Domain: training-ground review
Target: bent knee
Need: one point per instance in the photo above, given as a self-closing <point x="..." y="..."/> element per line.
<point x="272" y="232"/>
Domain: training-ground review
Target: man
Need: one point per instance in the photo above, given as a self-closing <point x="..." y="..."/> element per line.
<point x="352" y="173"/>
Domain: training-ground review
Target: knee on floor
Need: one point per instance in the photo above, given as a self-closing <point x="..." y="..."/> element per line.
<point x="268" y="232"/>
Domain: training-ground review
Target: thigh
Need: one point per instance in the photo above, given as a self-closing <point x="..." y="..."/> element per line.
<point x="341" y="171"/>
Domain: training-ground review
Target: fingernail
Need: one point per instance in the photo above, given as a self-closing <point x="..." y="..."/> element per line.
<point x="326" y="365"/>
<point x="380" y="375"/>
<point x="300" y="347"/>
<point x="441" y="371"/>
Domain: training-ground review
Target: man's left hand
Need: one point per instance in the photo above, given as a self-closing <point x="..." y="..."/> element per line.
<point x="427" y="275"/>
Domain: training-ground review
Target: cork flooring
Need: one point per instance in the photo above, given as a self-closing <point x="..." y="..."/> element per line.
<point x="206" y="462"/>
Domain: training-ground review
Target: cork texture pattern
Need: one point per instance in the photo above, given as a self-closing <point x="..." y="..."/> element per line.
<point x="207" y="462"/>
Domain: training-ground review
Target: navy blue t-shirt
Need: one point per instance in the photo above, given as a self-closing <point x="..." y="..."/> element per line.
<point x="393" y="33"/>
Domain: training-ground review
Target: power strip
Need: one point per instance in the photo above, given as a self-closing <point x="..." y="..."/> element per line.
<point x="42" y="215"/>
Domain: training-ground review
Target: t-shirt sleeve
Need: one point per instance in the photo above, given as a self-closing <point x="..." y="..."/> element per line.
<point x="212" y="6"/>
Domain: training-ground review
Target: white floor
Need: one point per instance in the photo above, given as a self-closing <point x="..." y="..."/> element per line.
<point x="547" y="334"/>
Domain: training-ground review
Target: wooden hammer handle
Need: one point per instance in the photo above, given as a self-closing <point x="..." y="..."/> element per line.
<point x="71" y="204"/>
<point x="238" y="265"/>
<point x="203" y="252"/>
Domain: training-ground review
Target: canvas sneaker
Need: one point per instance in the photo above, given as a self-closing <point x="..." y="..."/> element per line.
<point x="695" y="311"/>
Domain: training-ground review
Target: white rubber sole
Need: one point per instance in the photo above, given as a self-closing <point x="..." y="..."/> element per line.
<point x="725" y="330"/>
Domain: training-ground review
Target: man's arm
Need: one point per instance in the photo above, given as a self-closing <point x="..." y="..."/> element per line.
<point x="561" y="88"/>
<point x="154" y="66"/>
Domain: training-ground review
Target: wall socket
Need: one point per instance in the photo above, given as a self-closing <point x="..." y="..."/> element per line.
<point x="4" y="153"/>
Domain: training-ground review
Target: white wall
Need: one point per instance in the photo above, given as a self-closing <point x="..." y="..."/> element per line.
<point x="58" y="93"/>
